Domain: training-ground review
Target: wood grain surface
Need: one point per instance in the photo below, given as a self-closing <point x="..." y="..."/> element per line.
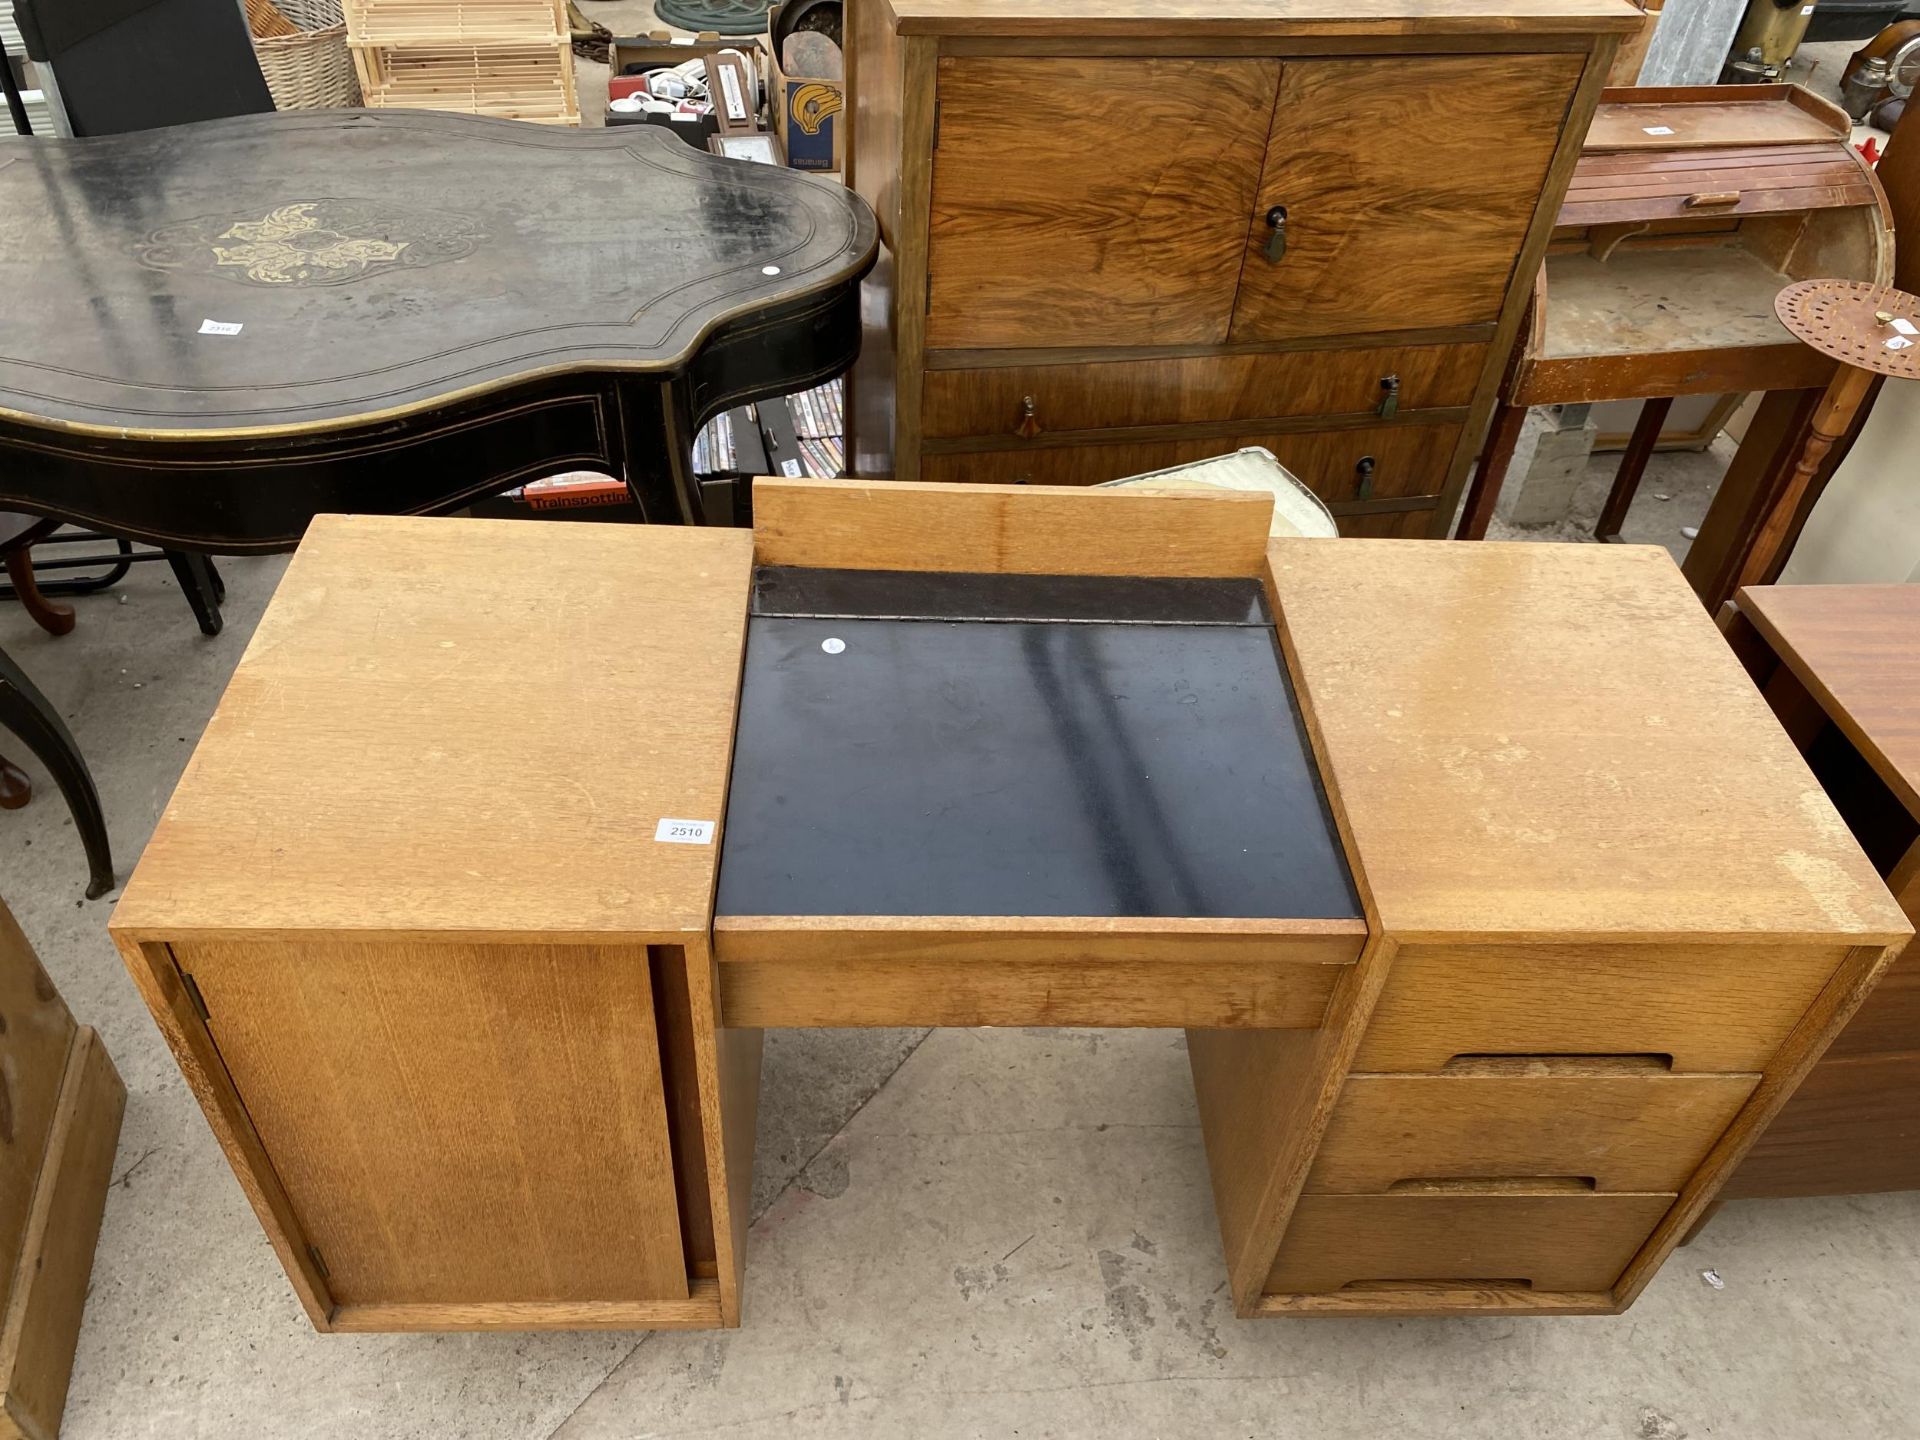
<point x="1852" y="1127"/>
<point x="419" y="741"/>
<point x="1723" y="1008"/>
<point x="1547" y="1241"/>
<point x="1198" y="388"/>
<point x="457" y="1123"/>
<point x="1623" y="1128"/>
<point x="54" y="1265"/>
<point x="1701" y="115"/>
<point x="834" y="971"/>
<point x="1410" y="457"/>
<point x="1145" y="19"/>
<point x="1853" y="647"/>
<point x="1415" y="214"/>
<point x="983" y="529"/>
<point x="1564" y="749"/>
<point x="1114" y="216"/>
<point x="36" y="1036"/>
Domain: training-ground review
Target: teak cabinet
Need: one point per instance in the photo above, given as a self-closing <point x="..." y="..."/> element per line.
<point x="1119" y="239"/>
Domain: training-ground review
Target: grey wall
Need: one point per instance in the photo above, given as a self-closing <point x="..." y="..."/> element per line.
<point x="1690" y="45"/>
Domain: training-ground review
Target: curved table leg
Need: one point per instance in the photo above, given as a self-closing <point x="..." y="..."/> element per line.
<point x="15" y="788"/>
<point x="28" y="714"/>
<point x="202" y="587"/>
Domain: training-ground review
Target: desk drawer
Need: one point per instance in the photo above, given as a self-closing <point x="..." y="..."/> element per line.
<point x="1275" y="385"/>
<point x="1409" y="459"/>
<point x="1705" y="1008"/>
<point x="1622" y="1126"/>
<point x="1544" y="1241"/>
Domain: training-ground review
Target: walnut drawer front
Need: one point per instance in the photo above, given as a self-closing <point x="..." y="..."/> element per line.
<point x="1408" y="460"/>
<point x="1021" y="401"/>
<point x="1715" y="1008"/>
<point x="1618" y="1126"/>
<point x="1544" y="1240"/>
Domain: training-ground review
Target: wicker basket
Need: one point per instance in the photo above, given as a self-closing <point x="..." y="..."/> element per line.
<point x="314" y="69"/>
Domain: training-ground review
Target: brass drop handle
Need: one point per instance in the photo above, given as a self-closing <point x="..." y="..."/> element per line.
<point x="1365" y="469"/>
<point x="1277" y="241"/>
<point x="1028" y="425"/>
<point x="1389" y="396"/>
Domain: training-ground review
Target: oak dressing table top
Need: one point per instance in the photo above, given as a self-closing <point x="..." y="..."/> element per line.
<point x="422" y="741"/>
<point x="1566" y="749"/>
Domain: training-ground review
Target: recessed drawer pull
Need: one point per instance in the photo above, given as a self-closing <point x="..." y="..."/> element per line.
<point x="1451" y="1286"/>
<point x="1713" y="199"/>
<point x="1558" y="1065"/>
<point x="1365" y="469"/>
<point x="1495" y="1185"/>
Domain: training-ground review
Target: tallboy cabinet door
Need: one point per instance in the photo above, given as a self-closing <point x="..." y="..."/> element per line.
<point x="1092" y="201"/>
<point x="1407" y="187"/>
<point x="457" y="1124"/>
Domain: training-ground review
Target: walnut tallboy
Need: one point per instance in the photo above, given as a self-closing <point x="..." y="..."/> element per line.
<point x="1120" y="237"/>
<point x="1496" y="941"/>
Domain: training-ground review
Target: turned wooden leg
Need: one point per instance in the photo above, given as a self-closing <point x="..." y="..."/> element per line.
<point x="53" y="618"/>
<point x="1491" y="474"/>
<point x="1831" y="417"/>
<point x="1633" y="465"/>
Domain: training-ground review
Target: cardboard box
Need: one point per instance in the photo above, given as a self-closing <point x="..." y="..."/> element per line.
<point x="662" y="47"/>
<point x="809" y="112"/>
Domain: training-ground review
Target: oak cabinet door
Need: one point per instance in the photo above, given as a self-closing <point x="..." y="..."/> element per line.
<point x="1404" y="187"/>
<point x="1092" y="201"/>
<point x="457" y="1124"/>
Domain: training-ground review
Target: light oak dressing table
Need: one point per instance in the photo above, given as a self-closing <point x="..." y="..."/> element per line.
<point x="1496" y="943"/>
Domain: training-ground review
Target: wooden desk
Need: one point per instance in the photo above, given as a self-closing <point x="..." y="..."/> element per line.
<point x="430" y="795"/>
<point x="1840" y="667"/>
<point x="1691" y="208"/>
<point x="1587" y="916"/>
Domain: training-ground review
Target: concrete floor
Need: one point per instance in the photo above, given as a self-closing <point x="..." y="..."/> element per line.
<point x="958" y="1233"/>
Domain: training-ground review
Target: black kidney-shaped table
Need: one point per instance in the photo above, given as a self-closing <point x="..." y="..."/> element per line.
<point x="215" y="332"/>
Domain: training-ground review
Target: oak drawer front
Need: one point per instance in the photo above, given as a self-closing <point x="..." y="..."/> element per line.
<point x="1707" y="1008"/>
<point x="1120" y="220"/>
<point x="1616" y="1126"/>
<point x="1545" y="1242"/>
<point x="1406" y="460"/>
<point x="1408" y="219"/>
<point x="1018" y="401"/>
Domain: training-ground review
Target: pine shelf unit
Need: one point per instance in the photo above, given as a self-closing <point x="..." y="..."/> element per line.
<point x="512" y="59"/>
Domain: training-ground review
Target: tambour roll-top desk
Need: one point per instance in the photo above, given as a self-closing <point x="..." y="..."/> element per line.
<point x="1310" y="225"/>
<point x="1496" y="940"/>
